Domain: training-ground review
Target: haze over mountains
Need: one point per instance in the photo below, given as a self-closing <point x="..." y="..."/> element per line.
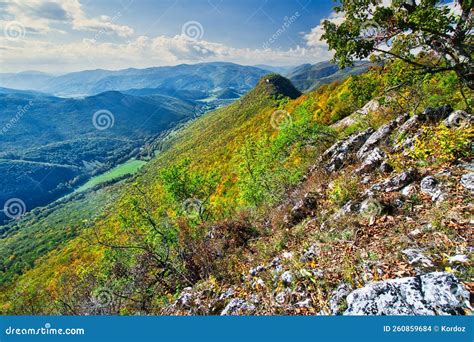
<point x="197" y="80"/>
<point x="59" y="146"/>
<point x="203" y="77"/>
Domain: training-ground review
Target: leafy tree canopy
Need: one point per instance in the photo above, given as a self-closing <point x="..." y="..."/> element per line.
<point x="401" y="30"/>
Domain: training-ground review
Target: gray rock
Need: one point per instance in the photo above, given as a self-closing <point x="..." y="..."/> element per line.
<point x="416" y="257"/>
<point x="458" y="118"/>
<point x="372" y="159"/>
<point x="227" y="294"/>
<point x="282" y="297"/>
<point x="253" y="271"/>
<point x="237" y="306"/>
<point x="436" y="114"/>
<point x="430" y="186"/>
<point x="458" y="259"/>
<point x="396" y="182"/>
<point x="257" y="283"/>
<point x="379" y="136"/>
<point x="311" y="253"/>
<point x="385" y="167"/>
<point x="409" y="190"/>
<point x="436" y="293"/>
<point x="467" y="166"/>
<point x="339" y="152"/>
<point x="467" y="181"/>
<point x="408" y="125"/>
<point x="287" y="278"/>
<point x="350" y="207"/>
<point x="370" y="208"/>
<point x="184" y="298"/>
<point x="337" y="298"/>
<point x="307" y="303"/>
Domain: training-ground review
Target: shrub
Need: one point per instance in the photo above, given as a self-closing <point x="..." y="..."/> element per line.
<point x="343" y="189"/>
<point x="440" y="144"/>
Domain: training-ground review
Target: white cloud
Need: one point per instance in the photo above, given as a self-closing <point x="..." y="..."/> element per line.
<point x="143" y="52"/>
<point x="40" y="17"/>
<point x="313" y="38"/>
<point x="42" y="52"/>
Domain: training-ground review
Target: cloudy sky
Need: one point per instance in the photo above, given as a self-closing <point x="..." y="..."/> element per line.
<point x="69" y="35"/>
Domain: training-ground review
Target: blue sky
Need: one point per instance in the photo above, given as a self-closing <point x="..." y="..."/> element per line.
<point x="70" y="35"/>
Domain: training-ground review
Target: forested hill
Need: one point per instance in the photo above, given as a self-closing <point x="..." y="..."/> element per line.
<point x="279" y="203"/>
<point x="49" y="145"/>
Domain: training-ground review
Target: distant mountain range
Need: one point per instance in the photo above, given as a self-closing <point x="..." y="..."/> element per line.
<point x="308" y="77"/>
<point x="204" y="78"/>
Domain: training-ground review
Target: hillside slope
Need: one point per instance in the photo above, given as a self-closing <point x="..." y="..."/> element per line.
<point x="255" y="209"/>
<point x="49" y="144"/>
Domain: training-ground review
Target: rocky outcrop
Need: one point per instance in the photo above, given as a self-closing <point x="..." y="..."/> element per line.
<point x="436" y="114"/>
<point x="467" y="181"/>
<point x="396" y="182"/>
<point x="379" y="136"/>
<point x="372" y="160"/>
<point x="338" y="154"/>
<point x="434" y="293"/>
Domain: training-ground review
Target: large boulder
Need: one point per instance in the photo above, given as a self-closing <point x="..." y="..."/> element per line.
<point x="436" y="114"/>
<point x="372" y="160"/>
<point x="436" y="293"/>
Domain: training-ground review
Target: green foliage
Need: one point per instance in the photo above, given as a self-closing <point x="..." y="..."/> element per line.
<point x="343" y="188"/>
<point x="440" y="144"/>
<point x="396" y="30"/>
<point x="185" y="185"/>
<point x="267" y="167"/>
